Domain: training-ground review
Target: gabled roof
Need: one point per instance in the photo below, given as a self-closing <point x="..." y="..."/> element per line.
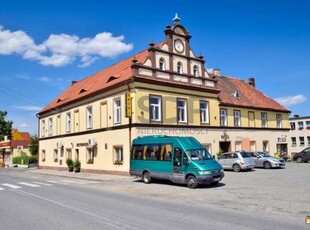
<point x="105" y="78"/>
<point x="236" y="92"/>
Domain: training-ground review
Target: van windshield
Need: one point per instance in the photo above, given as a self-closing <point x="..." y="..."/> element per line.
<point x="199" y="154"/>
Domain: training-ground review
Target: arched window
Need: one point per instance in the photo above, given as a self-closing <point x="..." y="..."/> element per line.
<point x="180" y="68"/>
<point x="196" y="71"/>
<point x="162" y="64"/>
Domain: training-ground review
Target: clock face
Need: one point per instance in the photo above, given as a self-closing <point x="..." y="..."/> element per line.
<point x="178" y="45"/>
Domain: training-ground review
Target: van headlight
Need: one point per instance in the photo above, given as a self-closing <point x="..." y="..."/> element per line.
<point x="204" y="172"/>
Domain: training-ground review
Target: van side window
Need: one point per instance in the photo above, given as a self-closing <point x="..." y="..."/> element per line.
<point x="166" y="152"/>
<point x="137" y="152"/>
<point x="177" y="156"/>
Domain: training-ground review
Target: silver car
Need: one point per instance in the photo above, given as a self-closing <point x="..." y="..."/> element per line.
<point x="238" y="160"/>
<point x="263" y="159"/>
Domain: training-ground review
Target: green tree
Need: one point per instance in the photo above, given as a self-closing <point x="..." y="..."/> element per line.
<point x="33" y="147"/>
<point x="5" y="126"/>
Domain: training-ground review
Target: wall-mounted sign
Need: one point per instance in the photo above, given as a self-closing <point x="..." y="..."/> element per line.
<point x="128" y="104"/>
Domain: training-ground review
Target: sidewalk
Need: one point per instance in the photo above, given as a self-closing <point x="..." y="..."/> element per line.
<point x="80" y="175"/>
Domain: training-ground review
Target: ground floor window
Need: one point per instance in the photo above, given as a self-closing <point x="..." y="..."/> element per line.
<point x="69" y="153"/>
<point x="118" y="155"/>
<point x="56" y="155"/>
<point x="43" y="155"/>
<point x="77" y="154"/>
<point x="90" y="155"/>
<point x="265" y="146"/>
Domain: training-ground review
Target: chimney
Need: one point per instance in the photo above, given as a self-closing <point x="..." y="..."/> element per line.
<point x="217" y="72"/>
<point x="252" y="81"/>
<point x="73" y="82"/>
<point x="296" y="116"/>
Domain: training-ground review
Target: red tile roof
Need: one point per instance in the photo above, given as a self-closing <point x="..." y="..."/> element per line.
<point x="249" y="96"/>
<point x="112" y="75"/>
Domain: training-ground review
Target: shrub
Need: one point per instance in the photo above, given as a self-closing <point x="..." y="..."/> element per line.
<point x="25" y="160"/>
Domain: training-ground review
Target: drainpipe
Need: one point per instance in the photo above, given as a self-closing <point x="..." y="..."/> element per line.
<point x="39" y="135"/>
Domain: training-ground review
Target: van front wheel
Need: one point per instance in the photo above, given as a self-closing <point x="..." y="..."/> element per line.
<point x="192" y="182"/>
<point x="146" y="177"/>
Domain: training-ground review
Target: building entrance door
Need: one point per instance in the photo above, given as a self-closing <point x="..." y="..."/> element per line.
<point x="225" y="146"/>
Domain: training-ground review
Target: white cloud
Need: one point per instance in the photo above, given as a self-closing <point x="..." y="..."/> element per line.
<point x="291" y="100"/>
<point x="24" y="125"/>
<point x="28" y="107"/>
<point x="62" y="49"/>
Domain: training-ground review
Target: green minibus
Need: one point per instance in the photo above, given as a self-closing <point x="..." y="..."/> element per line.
<point x="181" y="160"/>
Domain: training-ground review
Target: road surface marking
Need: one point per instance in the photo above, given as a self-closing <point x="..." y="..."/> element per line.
<point x="1" y="188"/>
<point x="57" y="182"/>
<point x="41" y="183"/>
<point x="11" y="186"/>
<point x="28" y="184"/>
<point x="73" y="182"/>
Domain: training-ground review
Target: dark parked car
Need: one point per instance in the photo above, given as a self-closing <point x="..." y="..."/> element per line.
<point x="303" y="156"/>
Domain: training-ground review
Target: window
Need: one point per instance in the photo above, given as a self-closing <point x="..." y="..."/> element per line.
<point x="264" y="120"/>
<point x="69" y="153"/>
<point x="251" y="119"/>
<point x="118" y="155"/>
<point x="180" y="68"/>
<point x="308" y="140"/>
<point x="301" y="141"/>
<point x="204" y="112"/>
<point x="162" y="64"/>
<point x="89" y="117"/>
<point x="158" y="152"/>
<point x="293" y="141"/>
<point x="90" y="155"/>
<point x="56" y="155"/>
<point x="237" y="118"/>
<point x="223" y="117"/>
<point x="196" y="71"/>
<point x="50" y="126"/>
<point x="43" y="128"/>
<point x="68" y="122"/>
<point x="117" y="111"/>
<point x="292" y="125"/>
<point x="308" y="124"/>
<point x="279" y="120"/>
<point x="155" y="108"/>
<point x="181" y="110"/>
<point x="43" y="155"/>
<point x="300" y="125"/>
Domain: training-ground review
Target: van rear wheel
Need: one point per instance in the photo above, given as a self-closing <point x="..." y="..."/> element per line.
<point x="146" y="177"/>
<point x="192" y="182"/>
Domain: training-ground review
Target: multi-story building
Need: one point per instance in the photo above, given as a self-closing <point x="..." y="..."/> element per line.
<point x="299" y="135"/>
<point x="163" y="90"/>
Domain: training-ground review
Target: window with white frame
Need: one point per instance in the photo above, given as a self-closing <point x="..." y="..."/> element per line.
<point x="180" y="68"/>
<point x="43" y="128"/>
<point x="237" y="118"/>
<point x="308" y="140"/>
<point x="301" y="141"/>
<point x="308" y="124"/>
<point x="264" y="120"/>
<point x="223" y="117"/>
<point x="50" y="126"/>
<point x="294" y="143"/>
<point x="117" y="111"/>
<point x="300" y="124"/>
<point x="279" y="120"/>
<point x="162" y="64"/>
<point x="155" y="108"/>
<point x="56" y="155"/>
<point x="68" y="122"/>
<point x="181" y="110"/>
<point x="204" y="112"/>
<point x="196" y="71"/>
<point x="292" y="125"/>
<point x="89" y="117"/>
<point x="118" y="154"/>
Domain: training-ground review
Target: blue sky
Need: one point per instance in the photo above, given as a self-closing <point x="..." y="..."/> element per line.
<point x="44" y="45"/>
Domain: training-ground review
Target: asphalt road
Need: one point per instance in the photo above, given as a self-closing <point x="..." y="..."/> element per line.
<point x="262" y="199"/>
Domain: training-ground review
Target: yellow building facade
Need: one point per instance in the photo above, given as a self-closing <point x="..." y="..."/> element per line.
<point x="163" y="90"/>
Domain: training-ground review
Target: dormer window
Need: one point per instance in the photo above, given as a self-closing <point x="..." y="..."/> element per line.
<point x="196" y="71"/>
<point x="236" y="94"/>
<point x="162" y="64"/>
<point x="180" y="68"/>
